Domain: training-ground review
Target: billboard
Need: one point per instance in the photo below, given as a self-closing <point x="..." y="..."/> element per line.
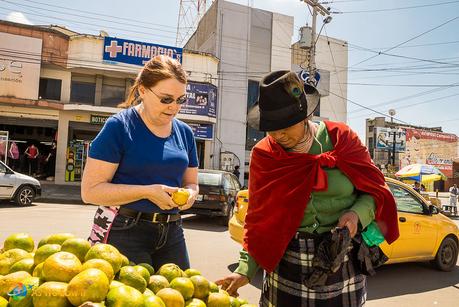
<point x="322" y="76"/>
<point x="202" y="131"/>
<point x="202" y="99"/>
<point x="384" y="139"/>
<point x="18" y="77"/>
<point x="136" y="53"/>
<point x="430" y="147"/>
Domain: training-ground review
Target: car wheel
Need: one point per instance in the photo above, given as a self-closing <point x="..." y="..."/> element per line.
<point x="446" y="257"/>
<point x="224" y="220"/>
<point x="25" y="196"/>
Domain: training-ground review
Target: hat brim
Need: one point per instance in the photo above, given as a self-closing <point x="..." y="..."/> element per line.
<point x="312" y="98"/>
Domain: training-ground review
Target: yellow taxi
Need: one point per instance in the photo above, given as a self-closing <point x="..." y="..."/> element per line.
<point x="425" y="233"/>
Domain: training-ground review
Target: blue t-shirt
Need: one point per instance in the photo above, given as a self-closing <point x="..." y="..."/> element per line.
<point x="144" y="158"/>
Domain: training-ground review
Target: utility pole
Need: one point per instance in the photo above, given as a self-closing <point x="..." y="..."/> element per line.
<point x="316" y="8"/>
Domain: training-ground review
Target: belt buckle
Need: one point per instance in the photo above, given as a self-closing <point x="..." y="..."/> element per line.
<point x="155" y="215"/>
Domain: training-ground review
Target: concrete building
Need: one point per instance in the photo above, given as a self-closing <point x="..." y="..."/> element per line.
<point x="57" y="86"/>
<point x="250" y="43"/>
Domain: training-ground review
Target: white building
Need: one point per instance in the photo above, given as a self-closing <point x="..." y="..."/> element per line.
<point x="250" y="43"/>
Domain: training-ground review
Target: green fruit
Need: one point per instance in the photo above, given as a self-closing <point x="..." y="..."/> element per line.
<point x="19" y="240"/>
<point x="61" y="266"/>
<point x="3" y="302"/>
<point x="26" y="264"/>
<point x="148" y="293"/>
<point x="192" y="272"/>
<point x="129" y="276"/>
<point x="201" y="286"/>
<point x="59" y="238"/>
<point x="78" y="247"/>
<point x="183" y="285"/>
<point x="115" y="284"/>
<point x="30" y="284"/>
<point x="42" y="242"/>
<point x="142" y="271"/>
<point x="45" y="251"/>
<point x="124" y="296"/>
<point x="38" y="271"/>
<point x="51" y="294"/>
<point x="157" y="282"/>
<point x="106" y="252"/>
<point x="124" y="260"/>
<point x="171" y="297"/>
<point x="150" y="269"/>
<point x="170" y="271"/>
<point x="100" y="264"/>
<point x="10" y="257"/>
<point x="89" y="285"/>
<point x="213" y="287"/>
<point x="195" y="302"/>
<point x="234" y="302"/>
<point x="10" y="281"/>
<point x="218" y="300"/>
<point x="154" y="301"/>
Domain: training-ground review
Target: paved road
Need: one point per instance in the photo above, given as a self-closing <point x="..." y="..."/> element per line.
<point x="214" y="254"/>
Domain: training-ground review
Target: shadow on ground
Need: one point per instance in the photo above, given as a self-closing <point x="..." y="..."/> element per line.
<point x="257" y="280"/>
<point x="409" y="278"/>
<point x="206" y="223"/>
<point x="10" y="204"/>
<point x="396" y="279"/>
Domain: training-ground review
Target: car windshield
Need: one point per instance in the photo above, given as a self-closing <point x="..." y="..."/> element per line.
<point x="209" y="179"/>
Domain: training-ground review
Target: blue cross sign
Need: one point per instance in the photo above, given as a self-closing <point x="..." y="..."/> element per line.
<point x="134" y="52"/>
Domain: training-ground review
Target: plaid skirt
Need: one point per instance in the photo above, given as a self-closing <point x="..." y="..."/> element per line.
<point x="284" y="287"/>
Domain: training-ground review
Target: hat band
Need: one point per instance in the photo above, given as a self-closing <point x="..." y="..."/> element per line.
<point x="280" y="113"/>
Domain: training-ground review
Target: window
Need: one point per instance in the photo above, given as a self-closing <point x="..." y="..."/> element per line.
<point x="113" y="92"/>
<point x="252" y="135"/>
<point x="83" y="89"/>
<point x="50" y="89"/>
<point x="406" y="202"/>
<point x="2" y="168"/>
<point x="209" y="179"/>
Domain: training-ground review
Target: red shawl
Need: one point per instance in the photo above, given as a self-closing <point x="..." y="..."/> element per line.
<point x="281" y="183"/>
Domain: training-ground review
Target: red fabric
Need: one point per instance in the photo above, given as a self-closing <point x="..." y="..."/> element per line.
<point x="281" y="183"/>
<point x="32" y="152"/>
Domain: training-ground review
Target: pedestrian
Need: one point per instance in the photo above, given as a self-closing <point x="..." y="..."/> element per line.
<point x="417" y="187"/>
<point x="51" y="162"/>
<point x="141" y="156"/>
<point x="13" y="155"/>
<point x="236" y="172"/>
<point x="310" y="184"/>
<point x="32" y="153"/>
<point x="453" y="193"/>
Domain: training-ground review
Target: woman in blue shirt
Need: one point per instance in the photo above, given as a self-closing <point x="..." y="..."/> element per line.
<point x="140" y="157"/>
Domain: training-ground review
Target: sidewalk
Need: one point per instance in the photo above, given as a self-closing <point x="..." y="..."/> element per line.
<point x="55" y="193"/>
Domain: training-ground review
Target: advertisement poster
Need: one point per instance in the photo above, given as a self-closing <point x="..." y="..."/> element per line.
<point x="430" y="147"/>
<point x="202" y="99"/>
<point x="385" y="139"/>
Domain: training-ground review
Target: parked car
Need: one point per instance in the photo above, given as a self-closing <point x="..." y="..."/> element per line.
<point x="217" y="195"/>
<point x="425" y="233"/>
<point x="15" y="186"/>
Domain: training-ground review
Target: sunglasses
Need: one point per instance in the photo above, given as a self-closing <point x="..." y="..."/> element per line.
<point x="169" y="100"/>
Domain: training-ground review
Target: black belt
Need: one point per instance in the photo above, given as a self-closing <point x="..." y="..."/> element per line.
<point x="151" y="217"/>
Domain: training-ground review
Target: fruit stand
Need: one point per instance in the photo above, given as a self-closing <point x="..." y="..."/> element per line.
<point x="63" y="270"/>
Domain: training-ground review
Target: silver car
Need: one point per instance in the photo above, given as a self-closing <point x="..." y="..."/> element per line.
<point x="21" y="188"/>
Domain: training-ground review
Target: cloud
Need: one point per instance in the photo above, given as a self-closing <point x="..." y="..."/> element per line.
<point x="18" y="17"/>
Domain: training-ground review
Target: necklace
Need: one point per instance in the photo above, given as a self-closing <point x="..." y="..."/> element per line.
<point x="305" y="143"/>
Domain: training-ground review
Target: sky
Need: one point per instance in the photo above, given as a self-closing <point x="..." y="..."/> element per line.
<point x="416" y="73"/>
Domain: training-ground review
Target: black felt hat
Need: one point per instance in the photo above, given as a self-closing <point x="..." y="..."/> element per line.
<point x="283" y="101"/>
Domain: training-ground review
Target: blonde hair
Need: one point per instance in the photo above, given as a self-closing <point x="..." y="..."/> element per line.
<point x="159" y="68"/>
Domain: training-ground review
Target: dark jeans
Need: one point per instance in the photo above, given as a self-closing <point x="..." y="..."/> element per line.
<point x="146" y="242"/>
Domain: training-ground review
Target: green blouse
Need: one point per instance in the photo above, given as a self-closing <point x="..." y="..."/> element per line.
<point x="325" y="207"/>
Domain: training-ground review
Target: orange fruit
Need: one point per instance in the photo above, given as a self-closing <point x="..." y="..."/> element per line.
<point x="180" y="197"/>
<point x="171" y="297"/>
<point x="184" y="285"/>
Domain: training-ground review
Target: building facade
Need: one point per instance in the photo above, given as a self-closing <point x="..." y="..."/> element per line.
<point x="60" y="86"/>
<point x="250" y="43"/>
<point x="400" y="145"/>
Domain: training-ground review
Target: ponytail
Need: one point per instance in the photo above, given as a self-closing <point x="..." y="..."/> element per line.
<point x="133" y="97"/>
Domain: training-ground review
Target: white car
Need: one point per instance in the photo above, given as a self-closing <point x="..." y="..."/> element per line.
<point x="15" y="186"/>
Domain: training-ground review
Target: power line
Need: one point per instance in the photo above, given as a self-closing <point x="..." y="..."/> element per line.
<point x="395" y="8"/>
<point x="408" y="40"/>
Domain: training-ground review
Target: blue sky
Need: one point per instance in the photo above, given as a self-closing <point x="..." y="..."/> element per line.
<point x="421" y="92"/>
